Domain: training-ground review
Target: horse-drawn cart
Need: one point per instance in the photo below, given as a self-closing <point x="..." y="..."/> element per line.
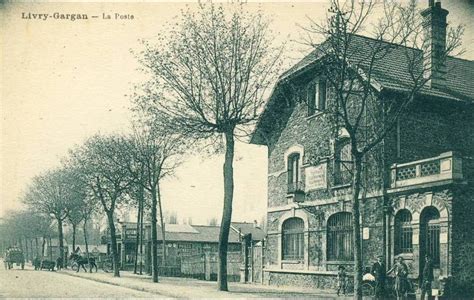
<point x="14" y="256"/>
<point x="78" y="261"/>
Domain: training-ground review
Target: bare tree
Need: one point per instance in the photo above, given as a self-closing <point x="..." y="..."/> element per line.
<point x="102" y="162"/>
<point x="209" y="77"/>
<point x="137" y="193"/>
<point x="50" y="194"/>
<point x="154" y="154"/>
<point x="75" y="218"/>
<point x="89" y="208"/>
<point x="350" y="65"/>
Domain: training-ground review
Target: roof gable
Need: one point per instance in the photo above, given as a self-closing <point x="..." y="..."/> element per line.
<point x="392" y="72"/>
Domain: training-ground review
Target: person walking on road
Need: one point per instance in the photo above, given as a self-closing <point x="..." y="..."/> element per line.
<point x="426" y="279"/>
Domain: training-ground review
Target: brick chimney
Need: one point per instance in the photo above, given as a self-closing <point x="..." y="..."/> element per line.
<point x="434" y="46"/>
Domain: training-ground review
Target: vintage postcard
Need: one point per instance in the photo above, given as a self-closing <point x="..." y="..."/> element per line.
<point x="237" y="149"/>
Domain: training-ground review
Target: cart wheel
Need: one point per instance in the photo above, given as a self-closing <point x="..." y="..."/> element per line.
<point x="368" y="289"/>
<point x="75" y="267"/>
<point x="106" y="268"/>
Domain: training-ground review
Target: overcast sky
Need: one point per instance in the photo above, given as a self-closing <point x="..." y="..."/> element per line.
<point x="63" y="81"/>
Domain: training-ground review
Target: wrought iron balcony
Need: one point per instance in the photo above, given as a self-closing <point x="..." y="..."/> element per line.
<point x="446" y="166"/>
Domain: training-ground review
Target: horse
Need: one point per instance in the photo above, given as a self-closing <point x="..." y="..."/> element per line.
<point x="47" y="264"/>
<point x="79" y="261"/>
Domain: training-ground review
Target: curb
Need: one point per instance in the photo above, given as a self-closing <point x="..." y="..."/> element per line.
<point x="170" y="295"/>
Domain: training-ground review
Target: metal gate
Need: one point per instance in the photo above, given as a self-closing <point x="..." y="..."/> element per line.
<point x="257" y="262"/>
<point x="253" y="256"/>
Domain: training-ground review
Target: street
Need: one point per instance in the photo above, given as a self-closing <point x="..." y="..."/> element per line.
<point x="31" y="283"/>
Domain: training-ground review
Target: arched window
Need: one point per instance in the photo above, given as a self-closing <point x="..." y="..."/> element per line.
<point x="343" y="162"/>
<point x="293" y="171"/>
<point x="293" y="239"/>
<point x="430" y="231"/>
<point x="340" y="237"/>
<point x="403" y="232"/>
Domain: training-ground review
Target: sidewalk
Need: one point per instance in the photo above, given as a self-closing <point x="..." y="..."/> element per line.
<point x="192" y="288"/>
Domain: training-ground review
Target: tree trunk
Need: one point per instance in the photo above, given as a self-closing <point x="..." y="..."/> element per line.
<point x="356" y="220"/>
<point x="50" y="249"/>
<point x="113" y="246"/>
<point x="84" y="228"/>
<point x="60" y="237"/>
<point x="141" y="237"/>
<point x="36" y="247"/>
<point x="74" y="237"/>
<point x="137" y="240"/>
<point x="27" y="256"/>
<point x="42" y="247"/>
<point x="163" y="229"/>
<point x="31" y="250"/>
<point x="154" y="237"/>
<point x="227" y="211"/>
<point x="20" y="242"/>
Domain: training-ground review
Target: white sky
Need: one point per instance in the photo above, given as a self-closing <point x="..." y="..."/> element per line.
<point x="63" y="81"/>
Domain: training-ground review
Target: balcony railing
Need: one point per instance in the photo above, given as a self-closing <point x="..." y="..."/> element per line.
<point x="296" y="189"/>
<point x="446" y="166"/>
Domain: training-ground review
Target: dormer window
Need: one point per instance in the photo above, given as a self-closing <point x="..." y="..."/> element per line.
<point x="316" y="97"/>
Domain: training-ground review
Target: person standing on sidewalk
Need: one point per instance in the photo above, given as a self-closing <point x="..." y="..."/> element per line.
<point x="378" y="270"/>
<point x="401" y="277"/>
<point x="341" y="280"/>
<point x="426" y="278"/>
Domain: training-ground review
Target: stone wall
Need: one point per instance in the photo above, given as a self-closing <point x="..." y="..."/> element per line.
<point x="318" y="280"/>
<point x="463" y="240"/>
<point x="372" y="221"/>
<point x="431" y="127"/>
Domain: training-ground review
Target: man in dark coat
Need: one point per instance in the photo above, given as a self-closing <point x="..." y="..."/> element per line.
<point x="378" y="270"/>
<point x="426" y="278"/>
<point x="59" y="263"/>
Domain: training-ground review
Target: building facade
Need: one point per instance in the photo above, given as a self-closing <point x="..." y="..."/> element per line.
<point x="418" y="183"/>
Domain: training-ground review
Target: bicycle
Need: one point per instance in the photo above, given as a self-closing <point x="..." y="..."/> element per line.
<point x="108" y="265"/>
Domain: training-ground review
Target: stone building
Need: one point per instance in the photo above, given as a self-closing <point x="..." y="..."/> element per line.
<point x="418" y="196"/>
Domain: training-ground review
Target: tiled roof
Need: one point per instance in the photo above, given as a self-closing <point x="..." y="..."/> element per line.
<point x="202" y="233"/>
<point x="189" y="233"/>
<point x="392" y="71"/>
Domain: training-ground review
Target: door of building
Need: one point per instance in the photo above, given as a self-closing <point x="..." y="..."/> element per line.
<point x="430" y="241"/>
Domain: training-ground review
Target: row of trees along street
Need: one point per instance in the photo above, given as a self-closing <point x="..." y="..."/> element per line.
<point x="208" y="76"/>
